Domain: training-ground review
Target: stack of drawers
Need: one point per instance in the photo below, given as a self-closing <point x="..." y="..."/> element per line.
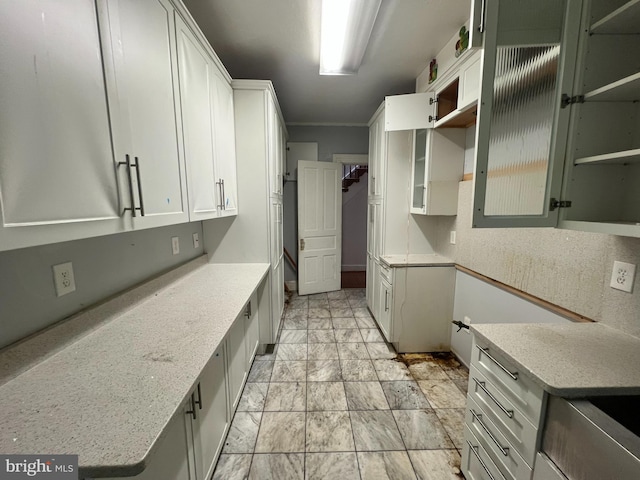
<point x="503" y="418"/>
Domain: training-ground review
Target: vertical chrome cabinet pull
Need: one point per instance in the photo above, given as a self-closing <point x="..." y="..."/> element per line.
<point x="482" y="16"/>
<point x="192" y="412"/>
<point x="484" y="465"/>
<point x="219" y="186"/>
<point x="224" y="196"/>
<point x="508" y="413"/>
<point x="199" y="400"/>
<point x="137" y="166"/>
<point x="477" y="416"/>
<point x="386" y="300"/>
<point x="127" y="163"/>
<point x="424" y="197"/>
<point x="513" y="375"/>
<point x="247" y="312"/>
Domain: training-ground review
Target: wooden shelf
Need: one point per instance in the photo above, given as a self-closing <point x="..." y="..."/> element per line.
<point x="459" y="119"/>
<point x="614" y="158"/>
<point x="624" y="90"/>
<point x="623" y="20"/>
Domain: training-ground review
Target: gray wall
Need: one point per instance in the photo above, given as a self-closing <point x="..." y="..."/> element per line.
<point x="103" y="266"/>
<point x="330" y="139"/>
<point x="354" y="226"/>
<point x="565" y="267"/>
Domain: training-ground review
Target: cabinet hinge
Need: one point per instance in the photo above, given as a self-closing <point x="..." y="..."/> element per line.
<point x="567" y="100"/>
<point x="555" y="203"/>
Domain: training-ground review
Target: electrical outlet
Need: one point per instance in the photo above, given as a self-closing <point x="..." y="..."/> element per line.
<point x="196" y="240"/>
<point x="452" y="237"/>
<point x="175" y="245"/>
<point x="63" y="279"/>
<point x="622" y="276"/>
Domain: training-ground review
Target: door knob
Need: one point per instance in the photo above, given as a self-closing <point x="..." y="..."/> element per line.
<point x="302" y="244"/>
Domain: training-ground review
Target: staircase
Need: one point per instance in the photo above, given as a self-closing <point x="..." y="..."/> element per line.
<point x="351" y="174"/>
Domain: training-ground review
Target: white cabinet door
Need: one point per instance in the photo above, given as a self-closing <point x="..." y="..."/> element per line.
<point x="142" y="76"/>
<point x="225" y="143"/>
<point x="237" y="364"/>
<point x="409" y="112"/>
<point x="212" y="415"/>
<point x="384" y="316"/>
<point x="56" y="161"/>
<point x="469" y="83"/>
<point x="196" y="77"/>
<point x="252" y="328"/>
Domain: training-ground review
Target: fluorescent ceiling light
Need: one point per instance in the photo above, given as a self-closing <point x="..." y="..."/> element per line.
<point x="346" y="28"/>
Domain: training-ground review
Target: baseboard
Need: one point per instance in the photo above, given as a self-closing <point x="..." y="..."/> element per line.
<point x="354" y="268"/>
<point x="292" y="285"/>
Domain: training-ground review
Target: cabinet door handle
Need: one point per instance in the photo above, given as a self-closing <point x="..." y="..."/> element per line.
<point x="140" y="198"/>
<point x="199" y="400"/>
<point x="484" y="465"/>
<point x="219" y="185"/>
<point x="192" y="412"/>
<point x="224" y="197"/>
<point x="247" y="312"/>
<point x="508" y="413"/>
<point x="127" y="164"/>
<point x="483" y="8"/>
<point x="424" y="196"/>
<point x="478" y="417"/>
<point x="513" y="375"/>
<point x="386" y="300"/>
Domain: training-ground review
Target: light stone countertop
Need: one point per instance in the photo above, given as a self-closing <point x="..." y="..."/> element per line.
<point x="417" y="260"/>
<point x="569" y="360"/>
<point x="109" y="395"/>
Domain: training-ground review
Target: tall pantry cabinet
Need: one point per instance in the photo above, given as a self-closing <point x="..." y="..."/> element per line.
<point x="256" y="235"/>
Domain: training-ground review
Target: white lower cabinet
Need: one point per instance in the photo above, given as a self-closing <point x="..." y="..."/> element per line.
<point x="252" y="328"/>
<point x="237" y="361"/>
<point x="385" y="299"/>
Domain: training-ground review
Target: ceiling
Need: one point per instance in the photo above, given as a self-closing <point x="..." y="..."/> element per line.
<point x="279" y="40"/>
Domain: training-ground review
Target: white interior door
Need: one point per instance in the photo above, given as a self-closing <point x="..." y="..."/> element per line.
<point x="299" y="151"/>
<point x="319" y="227"/>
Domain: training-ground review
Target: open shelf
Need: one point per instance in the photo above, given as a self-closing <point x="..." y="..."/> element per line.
<point x="459" y="119"/>
<point x="625" y="19"/>
<point x="614" y="158"/>
<point x="624" y="90"/>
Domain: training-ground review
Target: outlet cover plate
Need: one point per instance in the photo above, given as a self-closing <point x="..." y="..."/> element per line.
<point x="622" y="276"/>
<point x="64" y="279"/>
<point x="452" y="237"/>
<point x="175" y="245"/>
<point x="196" y="240"/>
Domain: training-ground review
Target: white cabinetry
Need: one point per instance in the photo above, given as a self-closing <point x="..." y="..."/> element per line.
<point x="142" y="97"/>
<point x="503" y="418"/>
<point x="578" y="168"/>
<point x="237" y="360"/>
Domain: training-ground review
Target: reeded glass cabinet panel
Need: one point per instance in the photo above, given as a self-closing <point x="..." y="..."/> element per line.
<point x="529" y="58"/>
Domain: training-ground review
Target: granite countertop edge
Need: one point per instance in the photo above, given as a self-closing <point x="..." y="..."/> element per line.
<point x="417" y="260"/>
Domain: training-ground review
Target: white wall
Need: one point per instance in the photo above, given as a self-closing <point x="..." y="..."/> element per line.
<point x="103" y="266"/>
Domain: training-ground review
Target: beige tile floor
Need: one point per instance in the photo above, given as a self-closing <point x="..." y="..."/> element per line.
<point x="333" y="402"/>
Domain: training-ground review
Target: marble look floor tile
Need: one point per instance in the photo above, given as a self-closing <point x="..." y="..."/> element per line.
<point x="385" y="466"/>
<point x="348" y="335"/>
<point x="404" y="395"/>
<point x="329" y="432"/>
<point x="323" y="351"/>
<point x="232" y="467"/>
<point x="298" y="303"/>
<point x="460" y="373"/>
<point x="362" y="312"/>
<point x="316" y="296"/>
<point x="427" y="370"/>
<point x="253" y="397"/>
<point x="381" y="351"/>
<point x="463" y="385"/>
<point x="328" y="466"/>
<point x="375" y="431"/>
<point x="366" y="322"/>
<point x="281" y="432"/>
<point x="341" y="312"/>
<point x="322" y="336"/>
<point x="286" y="397"/>
<point x="452" y="419"/>
<point x="356" y="302"/>
<point x="325" y="396"/>
<point x="340" y="303"/>
<point x="389" y="370"/>
<point x="421" y="430"/>
<point x="337" y="295"/>
<point x="260" y="372"/>
<point x="320" y="323"/>
<point x="345" y="322"/>
<point x="295" y="323"/>
<point x="295" y="313"/>
<point x="277" y="466"/>
<point x="242" y="433"/>
<point x="293" y="336"/>
<point x="319" y="303"/>
<point x="355" y="292"/>
<point x="319" y="313"/>
<point x="365" y="396"/>
<point x="267" y="357"/>
<point x="292" y="351"/>
<point x="442" y="394"/>
<point x="324" y="371"/>
<point x="289" y="371"/>
<point x="358" y="371"/>
<point x="353" y="351"/>
<point x="436" y="464"/>
<point x="371" y="335"/>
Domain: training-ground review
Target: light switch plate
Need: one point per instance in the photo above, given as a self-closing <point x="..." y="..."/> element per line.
<point x="64" y="279"/>
<point x="196" y="240"/>
<point x="452" y="237"/>
<point x="622" y="276"/>
<point x="175" y="245"/>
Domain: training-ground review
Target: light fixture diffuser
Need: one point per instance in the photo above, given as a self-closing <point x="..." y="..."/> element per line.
<point x="346" y="28"/>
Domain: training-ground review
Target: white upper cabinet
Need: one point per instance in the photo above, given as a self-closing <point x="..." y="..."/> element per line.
<point x="56" y="162"/>
<point x="141" y="72"/>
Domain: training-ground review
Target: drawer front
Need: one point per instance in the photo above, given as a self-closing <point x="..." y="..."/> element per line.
<point x="386" y="273"/>
<point x="476" y="463"/>
<point x="521" y="390"/>
<point x="512" y="423"/>
<point x="497" y="446"/>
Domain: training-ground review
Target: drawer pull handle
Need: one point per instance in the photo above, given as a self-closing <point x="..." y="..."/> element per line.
<point x="478" y="417"/>
<point x="513" y="375"/>
<point x="484" y="465"/>
<point x="192" y="412"/>
<point x="508" y="413"/>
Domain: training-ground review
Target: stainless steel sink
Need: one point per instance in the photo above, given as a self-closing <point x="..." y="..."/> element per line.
<point x="594" y="439"/>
